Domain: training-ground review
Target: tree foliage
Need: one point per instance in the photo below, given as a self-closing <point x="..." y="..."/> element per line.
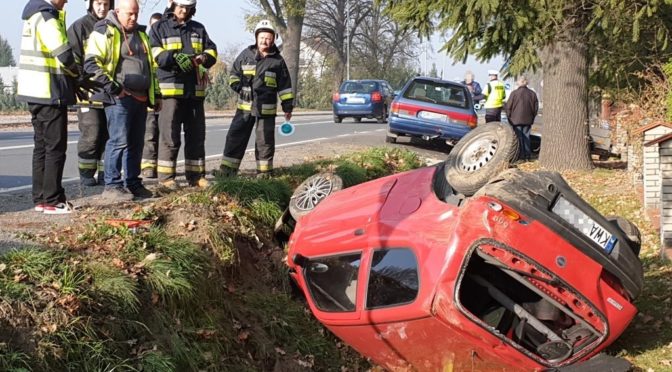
<point x="6" y="53"/>
<point x="569" y="39"/>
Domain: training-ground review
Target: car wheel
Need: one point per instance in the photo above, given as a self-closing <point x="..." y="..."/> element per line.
<point x="358" y="120"/>
<point x="337" y="119"/>
<point x="480" y="155"/>
<point x="390" y="139"/>
<point x="630" y="230"/>
<point x="312" y="191"/>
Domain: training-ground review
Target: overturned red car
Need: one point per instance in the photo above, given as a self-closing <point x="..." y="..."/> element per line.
<point x="505" y="272"/>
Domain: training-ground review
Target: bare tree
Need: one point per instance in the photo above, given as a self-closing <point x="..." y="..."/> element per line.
<point x="326" y="28"/>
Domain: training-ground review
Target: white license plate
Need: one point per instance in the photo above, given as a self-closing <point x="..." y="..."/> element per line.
<point x="355" y="100"/>
<point x="577" y="218"/>
<point x="432" y="116"/>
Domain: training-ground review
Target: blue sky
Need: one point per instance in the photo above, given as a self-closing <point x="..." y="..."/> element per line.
<point x="225" y="22"/>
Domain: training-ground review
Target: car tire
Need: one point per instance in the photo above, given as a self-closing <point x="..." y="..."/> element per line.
<point x="390" y="139"/>
<point x="312" y="191"/>
<point x="337" y="119"/>
<point x="480" y="155"/>
<point x="358" y="120"/>
<point x="630" y="230"/>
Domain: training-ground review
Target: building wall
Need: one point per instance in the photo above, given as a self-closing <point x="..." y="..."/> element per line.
<point x="665" y="151"/>
<point x="652" y="179"/>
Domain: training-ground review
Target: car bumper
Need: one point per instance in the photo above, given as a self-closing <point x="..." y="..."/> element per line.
<point x="368" y="110"/>
<point x="417" y="127"/>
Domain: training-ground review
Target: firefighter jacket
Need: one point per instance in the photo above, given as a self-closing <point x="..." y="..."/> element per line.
<point x="47" y="66"/>
<point x="103" y="53"/>
<point x="495" y="94"/>
<point x="259" y="81"/>
<point x="78" y="34"/>
<point x="168" y="37"/>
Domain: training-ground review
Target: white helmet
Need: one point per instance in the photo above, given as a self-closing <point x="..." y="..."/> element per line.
<point x="264" y="25"/>
<point x="187" y="3"/>
<point x="493" y="72"/>
<point x="87" y="4"/>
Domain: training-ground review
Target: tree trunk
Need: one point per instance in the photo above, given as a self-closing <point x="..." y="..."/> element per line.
<point x="565" y="122"/>
<point x="292" y="47"/>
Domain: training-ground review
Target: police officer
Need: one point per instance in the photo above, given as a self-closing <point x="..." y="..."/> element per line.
<point x="46" y="81"/>
<point x="183" y="51"/>
<point x="495" y="95"/>
<point x="90" y="114"/>
<point x="259" y="75"/>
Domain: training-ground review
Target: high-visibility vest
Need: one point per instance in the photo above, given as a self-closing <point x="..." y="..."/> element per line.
<point x="104" y="49"/>
<point x="495" y="94"/>
<point x="42" y="77"/>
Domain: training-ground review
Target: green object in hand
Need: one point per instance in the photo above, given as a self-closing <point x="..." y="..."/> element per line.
<point x="184" y="62"/>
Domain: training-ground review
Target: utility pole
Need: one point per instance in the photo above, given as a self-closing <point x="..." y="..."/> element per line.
<point x="347" y="39"/>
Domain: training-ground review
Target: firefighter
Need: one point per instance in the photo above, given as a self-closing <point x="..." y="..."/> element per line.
<point x="259" y="75"/>
<point x="90" y="114"/>
<point x="150" y="150"/>
<point x="495" y="95"/>
<point x="182" y="50"/>
<point x="47" y="82"/>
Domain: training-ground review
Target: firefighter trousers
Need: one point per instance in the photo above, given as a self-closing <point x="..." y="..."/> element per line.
<point x="50" y="125"/>
<point x="239" y="134"/>
<point x="150" y="150"/>
<point x="178" y="114"/>
<point x="92" y="139"/>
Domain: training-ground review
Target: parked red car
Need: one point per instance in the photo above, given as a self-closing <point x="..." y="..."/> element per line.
<point x="513" y="272"/>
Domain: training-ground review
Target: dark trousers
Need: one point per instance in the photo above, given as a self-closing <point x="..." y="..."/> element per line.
<point x="524" y="143"/>
<point x="493" y="114"/>
<point x="151" y="150"/>
<point x="239" y="134"/>
<point x="50" y="125"/>
<point x="92" y="139"/>
<point x="126" y="126"/>
<point x="175" y="115"/>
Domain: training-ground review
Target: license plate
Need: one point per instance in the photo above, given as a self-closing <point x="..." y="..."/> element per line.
<point x="355" y="100"/>
<point x="432" y="116"/>
<point x="588" y="227"/>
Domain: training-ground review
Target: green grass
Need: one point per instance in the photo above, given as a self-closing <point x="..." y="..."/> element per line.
<point x="113" y="287"/>
<point x="246" y="190"/>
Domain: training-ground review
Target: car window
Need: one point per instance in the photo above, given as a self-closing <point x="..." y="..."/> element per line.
<point x="393" y="279"/>
<point x="332" y="282"/>
<point x="359" y="87"/>
<point x="441" y="93"/>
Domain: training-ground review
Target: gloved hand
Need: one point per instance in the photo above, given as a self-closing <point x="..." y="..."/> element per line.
<point x="85" y="83"/>
<point x="246" y="94"/>
<point x="183" y="62"/>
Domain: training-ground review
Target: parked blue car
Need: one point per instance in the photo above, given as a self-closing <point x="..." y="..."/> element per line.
<point x="431" y="108"/>
<point x="363" y="99"/>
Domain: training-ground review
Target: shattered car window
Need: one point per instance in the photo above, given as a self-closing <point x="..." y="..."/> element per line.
<point x="393" y="279"/>
<point x="333" y="282"/>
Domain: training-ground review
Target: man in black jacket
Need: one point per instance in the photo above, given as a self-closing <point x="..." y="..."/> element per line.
<point x="183" y="52"/>
<point x="90" y="115"/>
<point x="259" y="75"/>
<point x="521" y="109"/>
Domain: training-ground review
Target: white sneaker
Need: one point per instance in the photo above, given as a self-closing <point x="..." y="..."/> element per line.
<point x="39" y="207"/>
<point x="60" y="208"/>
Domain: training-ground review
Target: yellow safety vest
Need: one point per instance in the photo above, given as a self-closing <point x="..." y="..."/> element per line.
<point x="42" y="78"/>
<point x="495" y="94"/>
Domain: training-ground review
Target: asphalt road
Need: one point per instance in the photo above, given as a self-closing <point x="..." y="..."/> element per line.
<point x="16" y="146"/>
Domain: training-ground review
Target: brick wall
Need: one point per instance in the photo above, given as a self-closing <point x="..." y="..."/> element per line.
<point x="651" y="171"/>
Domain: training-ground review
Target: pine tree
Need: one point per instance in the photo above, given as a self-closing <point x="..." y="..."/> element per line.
<point x="6" y="53"/>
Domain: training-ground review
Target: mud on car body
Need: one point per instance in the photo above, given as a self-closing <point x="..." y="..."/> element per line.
<point x="514" y="272"/>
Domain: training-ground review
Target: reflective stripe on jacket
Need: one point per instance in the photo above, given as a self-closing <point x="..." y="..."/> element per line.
<point x="103" y="51"/>
<point x="78" y="35"/>
<point x="495" y="94"/>
<point x="168" y="37"/>
<point x="46" y="63"/>
<point x="266" y="78"/>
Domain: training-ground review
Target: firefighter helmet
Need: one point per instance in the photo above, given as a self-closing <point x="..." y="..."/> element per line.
<point x="264" y="25"/>
<point x="185" y="3"/>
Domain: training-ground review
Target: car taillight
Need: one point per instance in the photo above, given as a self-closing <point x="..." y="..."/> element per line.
<point x="336" y="97"/>
<point x="472" y="122"/>
<point x="395" y="108"/>
<point x="376" y="97"/>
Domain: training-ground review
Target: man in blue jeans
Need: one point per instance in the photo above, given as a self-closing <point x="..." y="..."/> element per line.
<point x="118" y="54"/>
<point x="521" y="109"/>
